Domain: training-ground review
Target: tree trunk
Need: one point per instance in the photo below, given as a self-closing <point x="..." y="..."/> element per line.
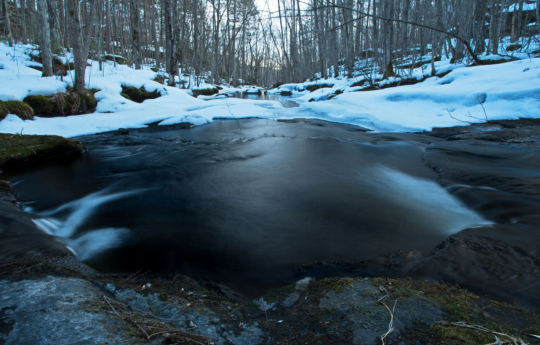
<point x="7" y="23"/>
<point x="45" y="38"/>
<point x="135" y="35"/>
<point x="73" y="12"/>
<point x="169" y="9"/>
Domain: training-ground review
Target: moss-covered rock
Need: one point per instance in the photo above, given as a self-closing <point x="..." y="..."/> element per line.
<point x="63" y="103"/>
<point x="204" y="92"/>
<point x="513" y="47"/>
<point x="3" y="110"/>
<point x="59" y="67"/>
<point x="116" y="58"/>
<point x="42" y="105"/>
<point x="336" y="93"/>
<point x="138" y="95"/>
<point x="314" y="87"/>
<point x="21" y="109"/>
<point x="159" y="78"/>
<point x="20" y="152"/>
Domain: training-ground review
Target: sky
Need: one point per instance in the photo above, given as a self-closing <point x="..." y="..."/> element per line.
<point x="264" y="5"/>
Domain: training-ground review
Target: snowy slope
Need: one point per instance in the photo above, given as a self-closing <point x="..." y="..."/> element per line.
<point x="504" y="91"/>
<point x="17" y="81"/>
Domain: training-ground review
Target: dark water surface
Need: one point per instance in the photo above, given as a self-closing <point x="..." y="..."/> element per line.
<point x="247" y="203"/>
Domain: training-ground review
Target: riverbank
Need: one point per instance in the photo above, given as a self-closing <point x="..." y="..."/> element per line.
<point x="491" y="167"/>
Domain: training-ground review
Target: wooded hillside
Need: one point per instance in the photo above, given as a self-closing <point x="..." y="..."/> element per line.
<point x="234" y="41"/>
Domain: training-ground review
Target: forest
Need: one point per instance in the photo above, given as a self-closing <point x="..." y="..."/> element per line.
<point x="237" y="42"/>
<point x="261" y="172"/>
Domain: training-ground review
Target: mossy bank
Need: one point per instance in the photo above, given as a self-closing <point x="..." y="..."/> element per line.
<point x="22" y="152"/>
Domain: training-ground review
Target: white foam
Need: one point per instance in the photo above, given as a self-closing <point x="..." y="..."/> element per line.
<point x="94" y="242"/>
<point x="65" y="220"/>
<point x="429" y="199"/>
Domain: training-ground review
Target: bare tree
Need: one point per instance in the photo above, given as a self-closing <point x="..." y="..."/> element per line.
<point x="73" y="12"/>
<point x="45" y="38"/>
<point x="169" y="13"/>
<point x="7" y="22"/>
<point x="135" y="35"/>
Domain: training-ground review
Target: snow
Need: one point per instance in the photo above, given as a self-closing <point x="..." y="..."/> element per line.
<point x="17" y="80"/>
<point x="526" y="7"/>
<point x="504" y="91"/>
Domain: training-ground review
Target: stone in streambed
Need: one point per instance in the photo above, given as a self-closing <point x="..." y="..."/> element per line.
<point x="21" y="152"/>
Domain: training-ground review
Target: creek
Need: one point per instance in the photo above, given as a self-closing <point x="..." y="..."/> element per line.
<point x="243" y="202"/>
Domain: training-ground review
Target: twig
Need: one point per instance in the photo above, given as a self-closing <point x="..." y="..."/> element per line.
<point x="111" y="306"/>
<point x="185" y="334"/>
<point x="390" y="311"/>
<point x="509" y="338"/>
<point x="126" y="318"/>
<point x="161" y="327"/>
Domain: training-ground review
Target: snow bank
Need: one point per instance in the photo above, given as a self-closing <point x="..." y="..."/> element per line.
<point x="113" y="111"/>
<point x="466" y="95"/>
<point x="18" y="80"/>
<point x="505" y="91"/>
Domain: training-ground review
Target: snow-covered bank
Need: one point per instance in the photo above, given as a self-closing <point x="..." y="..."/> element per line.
<point x="465" y="95"/>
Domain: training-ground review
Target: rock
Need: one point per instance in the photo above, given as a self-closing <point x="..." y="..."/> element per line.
<point x="63" y="103"/>
<point x="116" y="58"/>
<point x="303" y="284"/>
<point x="55" y="310"/>
<point x="501" y="260"/>
<point x="21" y="109"/>
<point x="314" y="87"/>
<point x="139" y="95"/>
<point x="204" y="92"/>
<point x="20" y="152"/>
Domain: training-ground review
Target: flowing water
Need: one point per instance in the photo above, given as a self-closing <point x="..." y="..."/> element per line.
<point x="247" y="203"/>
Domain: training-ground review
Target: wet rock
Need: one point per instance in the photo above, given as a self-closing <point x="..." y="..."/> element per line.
<point x="303" y="284"/>
<point x="53" y="311"/>
<point x="501" y="260"/>
<point x="361" y="306"/>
